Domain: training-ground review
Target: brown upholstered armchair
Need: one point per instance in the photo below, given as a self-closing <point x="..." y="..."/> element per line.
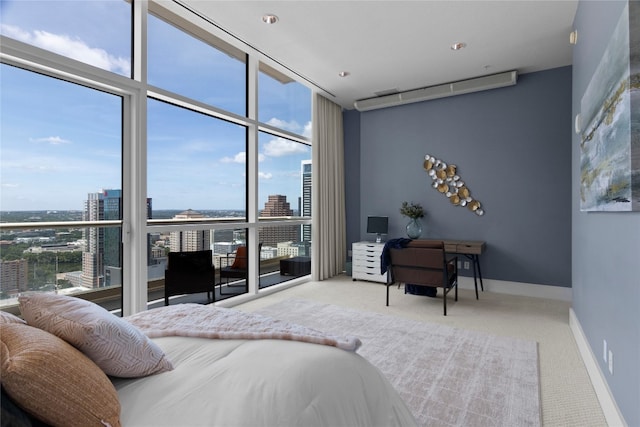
<point x="424" y="263"/>
<point x="189" y="273"/>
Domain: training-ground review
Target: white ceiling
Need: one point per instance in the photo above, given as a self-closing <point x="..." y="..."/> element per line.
<point x="399" y="45"/>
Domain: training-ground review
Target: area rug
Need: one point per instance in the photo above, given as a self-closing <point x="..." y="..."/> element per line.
<point x="447" y="376"/>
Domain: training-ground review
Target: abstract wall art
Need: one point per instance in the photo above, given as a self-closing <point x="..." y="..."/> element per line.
<point x="610" y="112"/>
<point x="446" y="180"/>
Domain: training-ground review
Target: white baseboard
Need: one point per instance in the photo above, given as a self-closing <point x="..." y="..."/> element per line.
<point x="518" y="288"/>
<point x="607" y="402"/>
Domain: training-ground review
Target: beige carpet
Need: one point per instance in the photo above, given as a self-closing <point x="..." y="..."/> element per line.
<point x="447" y="376"/>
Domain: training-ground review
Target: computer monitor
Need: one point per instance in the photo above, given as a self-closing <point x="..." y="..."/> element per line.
<point x="378" y="225"/>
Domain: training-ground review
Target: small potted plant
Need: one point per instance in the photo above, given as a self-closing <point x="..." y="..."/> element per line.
<point x="415" y="212"/>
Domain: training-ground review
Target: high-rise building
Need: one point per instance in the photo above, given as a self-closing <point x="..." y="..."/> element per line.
<point x="101" y="260"/>
<point x="277" y="205"/>
<point x="93" y="256"/>
<point x="13" y="276"/>
<point x="189" y="240"/>
<point x="305" y="209"/>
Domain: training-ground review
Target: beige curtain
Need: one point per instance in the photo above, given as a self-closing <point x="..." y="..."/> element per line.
<point x="328" y="231"/>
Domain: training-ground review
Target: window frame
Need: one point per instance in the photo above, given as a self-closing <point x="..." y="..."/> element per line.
<point x="134" y="92"/>
<point x="34" y="59"/>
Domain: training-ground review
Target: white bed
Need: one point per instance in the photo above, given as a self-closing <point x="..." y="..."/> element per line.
<point x="260" y="383"/>
<point x="70" y="363"/>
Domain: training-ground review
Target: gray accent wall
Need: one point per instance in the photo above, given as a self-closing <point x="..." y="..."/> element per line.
<point x="512" y="147"/>
<point x="606" y="246"/>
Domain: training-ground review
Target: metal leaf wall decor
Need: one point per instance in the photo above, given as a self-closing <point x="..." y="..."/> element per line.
<point x="447" y="181"/>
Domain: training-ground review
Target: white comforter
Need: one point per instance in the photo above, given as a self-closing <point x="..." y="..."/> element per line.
<point x="260" y="383"/>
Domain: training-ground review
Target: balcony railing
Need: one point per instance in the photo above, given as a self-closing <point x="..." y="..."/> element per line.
<point x="48" y="268"/>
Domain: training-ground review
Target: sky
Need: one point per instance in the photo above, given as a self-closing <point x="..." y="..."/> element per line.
<point x="60" y="141"/>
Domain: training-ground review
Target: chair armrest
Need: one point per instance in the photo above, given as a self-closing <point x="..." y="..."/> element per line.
<point x="228" y="259"/>
<point x="452" y="264"/>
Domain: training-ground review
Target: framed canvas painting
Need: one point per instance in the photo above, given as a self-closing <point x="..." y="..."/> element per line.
<point x="610" y="109"/>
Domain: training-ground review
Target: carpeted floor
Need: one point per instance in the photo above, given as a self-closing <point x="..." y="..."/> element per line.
<point x="568" y="398"/>
<point x="447" y="376"/>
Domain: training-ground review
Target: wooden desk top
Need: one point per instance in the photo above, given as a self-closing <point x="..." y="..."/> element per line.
<point x="465" y="247"/>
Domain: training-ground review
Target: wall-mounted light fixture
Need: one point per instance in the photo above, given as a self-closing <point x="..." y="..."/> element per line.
<point x="573" y="37"/>
<point x="577" y="125"/>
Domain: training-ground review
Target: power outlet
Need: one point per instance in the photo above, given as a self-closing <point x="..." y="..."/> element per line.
<point x="610" y="362"/>
<point x="466" y="265"/>
<point x="604" y="350"/>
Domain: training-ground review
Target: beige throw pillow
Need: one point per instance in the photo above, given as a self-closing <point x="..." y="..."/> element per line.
<point x="53" y="381"/>
<point x="10" y="318"/>
<point x="115" y="345"/>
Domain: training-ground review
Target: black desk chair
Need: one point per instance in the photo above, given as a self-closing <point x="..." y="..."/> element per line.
<point x="190" y="273"/>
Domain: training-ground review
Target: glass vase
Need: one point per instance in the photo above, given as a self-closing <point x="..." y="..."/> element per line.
<point x="414" y="228"/>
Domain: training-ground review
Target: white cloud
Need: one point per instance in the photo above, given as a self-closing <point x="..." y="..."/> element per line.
<point x="241" y="157"/>
<point x="238" y="158"/>
<point x="9" y="185"/>
<point x="279" y="147"/>
<point x="72" y="48"/>
<point x="53" y="140"/>
<point x="265" y="175"/>
<point x="307" y="130"/>
<point x="292" y="126"/>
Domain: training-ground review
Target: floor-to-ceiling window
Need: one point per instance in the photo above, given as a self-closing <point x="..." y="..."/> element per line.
<point x="61" y="153"/>
<point x="285" y="111"/>
<point x="89" y="141"/>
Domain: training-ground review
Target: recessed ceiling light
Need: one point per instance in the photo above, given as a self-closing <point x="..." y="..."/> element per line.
<point x="458" y="46"/>
<point x="343" y="73"/>
<point x="269" y="18"/>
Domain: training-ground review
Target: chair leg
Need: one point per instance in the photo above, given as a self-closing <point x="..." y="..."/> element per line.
<point x="477" y="260"/>
<point x="444" y="301"/>
<point x="475" y="282"/>
<point x="387" y="295"/>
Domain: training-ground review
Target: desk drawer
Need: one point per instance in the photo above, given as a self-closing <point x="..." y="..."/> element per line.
<point x="368" y="249"/>
<point x="370" y="274"/>
<point x="365" y="257"/>
<point x="470" y="248"/>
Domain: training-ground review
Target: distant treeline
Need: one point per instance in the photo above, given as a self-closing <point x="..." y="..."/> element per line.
<point x="75" y="215"/>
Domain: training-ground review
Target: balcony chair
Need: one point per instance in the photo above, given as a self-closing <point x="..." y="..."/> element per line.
<point x="190" y="273"/>
<point x="237" y="270"/>
<point x="424" y="263"/>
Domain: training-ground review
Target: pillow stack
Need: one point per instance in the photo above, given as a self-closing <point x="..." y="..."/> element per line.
<point x="53" y="381"/>
<point x="56" y="365"/>
<point x="113" y="344"/>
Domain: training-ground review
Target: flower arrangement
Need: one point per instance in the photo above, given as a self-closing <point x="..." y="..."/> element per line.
<point x="412" y="210"/>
